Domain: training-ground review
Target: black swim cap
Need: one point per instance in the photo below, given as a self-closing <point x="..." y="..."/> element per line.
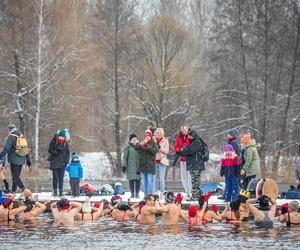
<point x="235" y="205"/>
<point x="123" y="206"/>
<point x="263" y="202"/>
<point x="170" y="197"/>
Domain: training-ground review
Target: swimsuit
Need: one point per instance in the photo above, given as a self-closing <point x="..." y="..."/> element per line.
<point x="228" y="220"/>
<point x="83" y="214"/>
<point x="266" y="222"/>
<point x="289" y="223"/>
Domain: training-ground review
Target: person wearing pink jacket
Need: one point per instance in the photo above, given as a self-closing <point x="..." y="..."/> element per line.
<point x="161" y="161"/>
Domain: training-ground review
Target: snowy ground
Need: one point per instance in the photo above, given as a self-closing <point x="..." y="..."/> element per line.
<point x="47" y="196"/>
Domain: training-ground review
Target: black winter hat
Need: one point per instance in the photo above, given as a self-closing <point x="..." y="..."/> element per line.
<point x="132" y="136"/>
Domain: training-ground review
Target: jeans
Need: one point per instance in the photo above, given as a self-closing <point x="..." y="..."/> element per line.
<point x="160" y="177"/>
<point x="58" y="178"/>
<point x="231" y="188"/>
<point x="15" y="173"/>
<point x="147" y="180"/>
<point x="74" y="183"/>
<point x="185" y="178"/>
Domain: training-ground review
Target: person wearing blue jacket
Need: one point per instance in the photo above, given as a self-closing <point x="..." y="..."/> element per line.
<point x="75" y="173"/>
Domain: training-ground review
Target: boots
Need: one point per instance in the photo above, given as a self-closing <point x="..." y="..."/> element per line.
<point x="54" y="193"/>
<point x="60" y="192"/>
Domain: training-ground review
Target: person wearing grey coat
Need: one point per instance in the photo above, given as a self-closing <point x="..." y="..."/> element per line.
<point x="16" y="161"/>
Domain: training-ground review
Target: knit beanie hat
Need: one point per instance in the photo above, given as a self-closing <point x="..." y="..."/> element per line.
<point x="170" y="197"/>
<point x="11" y="128"/>
<point x="149" y="133"/>
<point x="132" y="136"/>
<point x="233" y="132"/>
<point x="75" y="157"/>
<point x="246" y="139"/>
<point x="63" y="204"/>
<point x="192" y="212"/>
<point x="62" y="133"/>
<point x="228" y="148"/>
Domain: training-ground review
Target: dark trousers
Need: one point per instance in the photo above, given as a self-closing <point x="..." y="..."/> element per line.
<point x="134" y="186"/>
<point x="58" y="178"/>
<point x="74" y="183"/>
<point x="15" y="173"/>
<point x="246" y="181"/>
<point x="196" y="183"/>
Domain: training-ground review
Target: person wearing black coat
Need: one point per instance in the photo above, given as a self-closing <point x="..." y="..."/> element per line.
<point x="196" y="155"/>
<point x="59" y="158"/>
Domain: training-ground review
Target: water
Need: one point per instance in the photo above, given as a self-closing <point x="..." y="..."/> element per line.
<point x="108" y="234"/>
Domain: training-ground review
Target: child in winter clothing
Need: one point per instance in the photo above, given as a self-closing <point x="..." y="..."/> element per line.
<point x="230" y="169"/>
<point x="75" y="174"/>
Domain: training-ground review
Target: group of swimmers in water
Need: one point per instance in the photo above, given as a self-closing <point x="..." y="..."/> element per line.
<point x="66" y="212"/>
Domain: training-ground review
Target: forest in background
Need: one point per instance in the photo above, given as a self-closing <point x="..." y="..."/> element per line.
<point x="107" y="68"/>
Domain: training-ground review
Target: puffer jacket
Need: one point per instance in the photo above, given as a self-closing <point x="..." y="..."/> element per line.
<point x="252" y="160"/>
<point x="163" y="150"/>
<point x="194" y="153"/>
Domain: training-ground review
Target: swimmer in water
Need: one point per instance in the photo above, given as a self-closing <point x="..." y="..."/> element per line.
<point x="7" y="210"/>
<point x="88" y="212"/>
<point x="264" y="215"/>
<point x="33" y="207"/>
<point x="232" y="212"/>
<point x="64" y="212"/>
<point x="289" y="214"/>
<point x="123" y="212"/>
<point x="148" y="210"/>
<point x="170" y="211"/>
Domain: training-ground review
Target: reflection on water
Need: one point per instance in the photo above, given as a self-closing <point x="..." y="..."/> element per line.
<point x="108" y="234"/>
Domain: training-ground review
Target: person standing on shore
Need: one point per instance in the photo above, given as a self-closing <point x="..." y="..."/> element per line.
<point x="59" y="158"/>
<point x="147" y="150"/>
<point x="182" y="142"/>
<point x="17" y="155"/>
<point x="162" y="161"/>
<point x="251" y="168"/>
<point x="130" y="163"/>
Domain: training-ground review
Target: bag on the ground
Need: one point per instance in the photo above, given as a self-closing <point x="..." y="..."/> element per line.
<point x="118" y="188"/>
<point x="22" y="148"/>
<point x="107" y="189"/>
<point x="88" y="190"/>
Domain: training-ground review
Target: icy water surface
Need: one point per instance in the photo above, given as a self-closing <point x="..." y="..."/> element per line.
<point x="107" y="234"/>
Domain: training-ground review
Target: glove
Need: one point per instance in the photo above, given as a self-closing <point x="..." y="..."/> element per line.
<point x="207" y="196"/>
<point x="242" y="172"/>
<point x="179" y="198"/>
<point x="28" y="163"/>
<point x="124" y="170"/>
<point x="215" y="208"/>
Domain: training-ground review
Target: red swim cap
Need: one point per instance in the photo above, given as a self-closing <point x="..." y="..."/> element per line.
<point x="192" y="211"/>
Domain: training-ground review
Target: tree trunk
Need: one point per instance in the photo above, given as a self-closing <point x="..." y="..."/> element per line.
<point x="38" y="82"/>
<point x="116" y="92"/>
<point x="283" y="134"/>
<point x="19" y="101"/>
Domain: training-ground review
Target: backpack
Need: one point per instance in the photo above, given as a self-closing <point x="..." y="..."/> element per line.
<point x="21" y="148"/>
<point x="118" y="188"/>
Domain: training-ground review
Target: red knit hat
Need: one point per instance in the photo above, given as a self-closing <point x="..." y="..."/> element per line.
<point x="148" y="133"/>
<point x="192" y="211"/>
<point x="97" y="205"/>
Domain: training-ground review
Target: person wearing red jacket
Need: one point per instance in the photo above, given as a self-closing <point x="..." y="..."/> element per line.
<point x="230" y="169"/>
<point x="182" y="141"/>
